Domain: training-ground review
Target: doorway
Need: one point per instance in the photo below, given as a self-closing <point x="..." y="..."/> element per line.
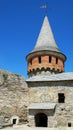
<point x="41" y="120"/>
<point x="14" y="121"/>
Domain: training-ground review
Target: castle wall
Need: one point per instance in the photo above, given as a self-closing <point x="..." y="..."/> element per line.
<point x="13" y="98"/>
<point x="47" y="92"/>
<point x="16" y="95"/>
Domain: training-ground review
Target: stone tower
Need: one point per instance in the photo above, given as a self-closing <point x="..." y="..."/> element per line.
<point x="50" y="88"/>
<point x="46" y="57"/>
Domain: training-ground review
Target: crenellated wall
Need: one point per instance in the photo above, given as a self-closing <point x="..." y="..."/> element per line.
<point x="46" y="63"/>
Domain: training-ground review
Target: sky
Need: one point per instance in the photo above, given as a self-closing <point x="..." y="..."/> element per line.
<point x="20" y="24"/>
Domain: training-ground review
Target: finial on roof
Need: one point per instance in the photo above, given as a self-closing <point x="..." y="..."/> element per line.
<point x="44" y="7"/>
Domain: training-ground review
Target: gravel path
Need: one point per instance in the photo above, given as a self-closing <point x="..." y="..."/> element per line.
<point x="24" y="127"/>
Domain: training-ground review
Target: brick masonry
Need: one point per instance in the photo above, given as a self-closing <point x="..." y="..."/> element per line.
<point x="45" y="63"/>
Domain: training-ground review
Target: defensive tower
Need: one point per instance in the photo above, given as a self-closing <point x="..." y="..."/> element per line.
<point x="46" y="58"/>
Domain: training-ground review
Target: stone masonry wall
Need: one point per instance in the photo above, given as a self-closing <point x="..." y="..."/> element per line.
<point x="13" y="97"/>
<point x="16" y="95"/>
<point x="47" y="92"/>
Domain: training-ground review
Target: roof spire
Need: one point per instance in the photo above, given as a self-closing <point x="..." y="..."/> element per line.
<point x="46" y="39"/>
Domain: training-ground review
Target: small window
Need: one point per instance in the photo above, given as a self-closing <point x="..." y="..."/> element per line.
<point x="63" y="64"/>
<point x="14" y="121"/>
<point x="49" y="59"/>
<point x="56" y="60"/>
<point x="69" y="124"/>
<point x="31" y="61"/>
<point x="39" y="59"/>
<point x="61" y="98"/>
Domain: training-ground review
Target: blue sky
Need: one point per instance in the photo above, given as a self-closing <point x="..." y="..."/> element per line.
<point x="20" y="23"/>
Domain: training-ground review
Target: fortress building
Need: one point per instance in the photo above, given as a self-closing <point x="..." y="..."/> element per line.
<point x="50" y="88"/>
<point x="45" y="99"/>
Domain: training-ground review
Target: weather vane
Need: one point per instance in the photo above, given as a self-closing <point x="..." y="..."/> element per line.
<point x="45" y="6"/>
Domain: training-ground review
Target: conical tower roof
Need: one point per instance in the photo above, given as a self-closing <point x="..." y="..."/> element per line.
<point x="46" y="43"/>
<point x="46" y="39"/>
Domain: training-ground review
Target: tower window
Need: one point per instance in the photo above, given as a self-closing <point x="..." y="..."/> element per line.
<point x="56" y="60"/>
<point x="39" y="59"/>
<point x="31" y="61"/>
<point x="63" y="63"/>
<point x="61" y="98"/>
<point x="50" y="59"/>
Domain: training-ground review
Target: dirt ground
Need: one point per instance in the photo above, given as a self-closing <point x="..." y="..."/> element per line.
<point x="25" y="127"/>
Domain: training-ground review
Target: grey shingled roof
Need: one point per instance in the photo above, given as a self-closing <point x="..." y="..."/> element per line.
<point x="54" y="77"/>
<point x="46" y="39"/>
<point x="42" y="106"/>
